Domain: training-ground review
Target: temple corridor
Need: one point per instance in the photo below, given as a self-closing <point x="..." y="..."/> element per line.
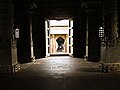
<point x="81" y="54"/>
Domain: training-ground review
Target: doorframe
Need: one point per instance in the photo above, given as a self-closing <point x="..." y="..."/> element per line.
<point x="47" y="35"/>
<point x="69" y="39"/>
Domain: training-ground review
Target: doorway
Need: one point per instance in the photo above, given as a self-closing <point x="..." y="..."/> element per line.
<point x="59" y="37"/>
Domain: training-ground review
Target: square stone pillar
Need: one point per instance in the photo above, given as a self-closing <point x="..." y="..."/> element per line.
<point x="118" y="13"/>
<point x="39" y="35"/>
<point x="79" y="35"/>
<point x="23" y="21"/>
<point x="93" y="37"/>
<point x="93" y="9"/>
<point x="8" y="50"/>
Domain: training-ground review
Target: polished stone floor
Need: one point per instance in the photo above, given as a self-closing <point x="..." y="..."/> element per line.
<point x="60" y="73"/>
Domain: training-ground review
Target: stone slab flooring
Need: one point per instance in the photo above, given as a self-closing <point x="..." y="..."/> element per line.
<point x="60" y="73"/>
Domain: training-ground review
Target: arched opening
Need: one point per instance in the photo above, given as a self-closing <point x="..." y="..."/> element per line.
<point x="60" y="44"/>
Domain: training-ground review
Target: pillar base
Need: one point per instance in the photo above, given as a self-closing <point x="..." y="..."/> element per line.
<point x="33" y="59"/>
<point x="109" y="67"/>
<point x="9" y="68"/>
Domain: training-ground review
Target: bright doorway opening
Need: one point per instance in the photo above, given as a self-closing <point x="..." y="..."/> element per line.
<point x="59" y="37"/>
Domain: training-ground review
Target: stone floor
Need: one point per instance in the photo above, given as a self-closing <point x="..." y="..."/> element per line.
<point x="60" y="73"/>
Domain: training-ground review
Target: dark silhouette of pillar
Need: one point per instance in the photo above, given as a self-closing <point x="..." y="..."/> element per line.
<point x="79" y="35"/>
<point x="118" y="13"/>
<point x="94" y="22"/>
<point x="110" y="19"/>
<point x="39" y="34"/>
<point x="23" y="21"/>
<point x="83" y="33"/>
<point x="8" y="50"/>
<point x="107" y="21"/>
<point x="93" y="36"/>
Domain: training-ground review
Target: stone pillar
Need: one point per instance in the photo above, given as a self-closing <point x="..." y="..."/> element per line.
<point x="94" y="21"/>
<point x="110" y="19"/>
<point x="23" y="21"/>
<point x="118" y="13"/>
<point x="31" y="38"/>
<point x="83" y="33"/>
<point x="79" y="35"/>
<point x="8" y="50"/>
<point x="76" y="37"/>
<point x="93" y="37"/>
<point x="39" y="34"/>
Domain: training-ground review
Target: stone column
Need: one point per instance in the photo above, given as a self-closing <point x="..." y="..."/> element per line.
<point x="118" y="13"/>
<point x="93" y="36"/>
<point x="31" y="38"/>
<point x="23" y="21"/>
<point x="39" y="34"/>
<point x="83" y="33"/>
<point x="110" y="19"/>
<point x="79" y="35"/>
<point x="8" y="50"/>
<point x="94" y="22"/>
